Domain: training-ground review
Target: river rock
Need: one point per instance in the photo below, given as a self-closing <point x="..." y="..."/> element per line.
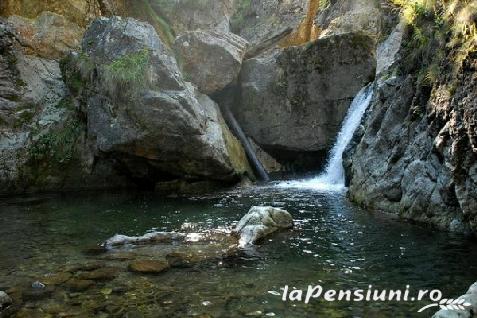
<point x="211" y="60"/>
<point x="5" y="300"/>
<point x="79" y="285"/>
<point x="153" y="123"/>
<point x="294" y="99"/>
<point x="100" y="274"/>
<point x="181" y="260"/>
<point x="148" y="266"/>
<point x="261" y="221"/>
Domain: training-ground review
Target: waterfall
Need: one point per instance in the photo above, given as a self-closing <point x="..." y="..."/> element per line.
<point x="333" y="177"/>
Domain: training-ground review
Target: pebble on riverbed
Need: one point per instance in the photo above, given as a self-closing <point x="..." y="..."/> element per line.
<point x="148" y="266"/>
<point x="5" y="300"/>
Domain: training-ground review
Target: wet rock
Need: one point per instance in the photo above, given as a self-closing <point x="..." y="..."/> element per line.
<point x="37" y="293"/>
<point x="5" y="300"/>
<point x="38" y="285"/>
<point x="79" y="285"/>
<point x="101" y="274"/>
<point x="181" y="260"/>
<point x="148" y="266"/>
<point x="153" y="237"/>
<point x="261" y="221"/>
<point x="211" y="60"/>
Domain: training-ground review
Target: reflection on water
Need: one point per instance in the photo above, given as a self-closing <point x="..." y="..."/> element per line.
<point x="335" y="245"/>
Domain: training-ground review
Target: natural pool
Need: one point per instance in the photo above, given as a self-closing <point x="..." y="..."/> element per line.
<point x="334" y="244"/>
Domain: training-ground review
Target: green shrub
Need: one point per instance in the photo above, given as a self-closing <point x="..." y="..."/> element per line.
<point x="128" y="73"/>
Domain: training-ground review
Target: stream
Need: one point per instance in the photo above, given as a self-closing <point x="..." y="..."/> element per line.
<point x="334" y="244"/>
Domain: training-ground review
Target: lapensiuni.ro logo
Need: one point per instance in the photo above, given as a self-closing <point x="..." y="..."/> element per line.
<point x="371" y="295"/>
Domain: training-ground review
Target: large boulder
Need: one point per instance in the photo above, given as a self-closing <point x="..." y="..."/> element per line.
<point x="140" y="110"/>
<point x="296" y="98"/>
<point x="211" y="60"/>
<point x="261" y="221"/>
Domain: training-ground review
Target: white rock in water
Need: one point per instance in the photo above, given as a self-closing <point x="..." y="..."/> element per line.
<point x="261" y="221"/>
<point x="5" y="300"/>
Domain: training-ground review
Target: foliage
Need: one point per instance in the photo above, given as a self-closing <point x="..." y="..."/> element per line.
<point x="441" y="34"/>
<point x="57" y="145"/>
<point x="127" y="73"/>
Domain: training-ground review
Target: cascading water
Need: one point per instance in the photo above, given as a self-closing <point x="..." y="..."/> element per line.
<point x="333" y="177"/>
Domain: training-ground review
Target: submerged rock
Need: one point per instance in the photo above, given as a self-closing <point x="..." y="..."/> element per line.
<point x="260" y="222"/>
<point x="79" y="285"/>
<point x="100" y="274"/>
<point x="153" y="237"/>
<point x="211" y="60"/>
<point x="5" y="300"/>
<point x="148" y="266"/>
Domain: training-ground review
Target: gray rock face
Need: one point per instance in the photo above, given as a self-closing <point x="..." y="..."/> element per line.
<point x="42" y="145"/>
<point x="295" y="99"/>
<point x="419" y="161"/>
<point x="191" y="15"/>
<point x="211" y="60"/>
<point x="343" y="16"/>
<point x="268" y="21"/>
<point x="470" y="301"/>
<point x="261" y="221"/>
<point x="5" y="300"/>
<point x="141" y="111"/>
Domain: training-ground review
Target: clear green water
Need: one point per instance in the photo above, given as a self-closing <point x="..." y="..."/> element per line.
<point x="335" y="244"/>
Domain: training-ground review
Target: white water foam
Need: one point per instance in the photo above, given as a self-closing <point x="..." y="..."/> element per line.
<point x="333" y="177"/>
